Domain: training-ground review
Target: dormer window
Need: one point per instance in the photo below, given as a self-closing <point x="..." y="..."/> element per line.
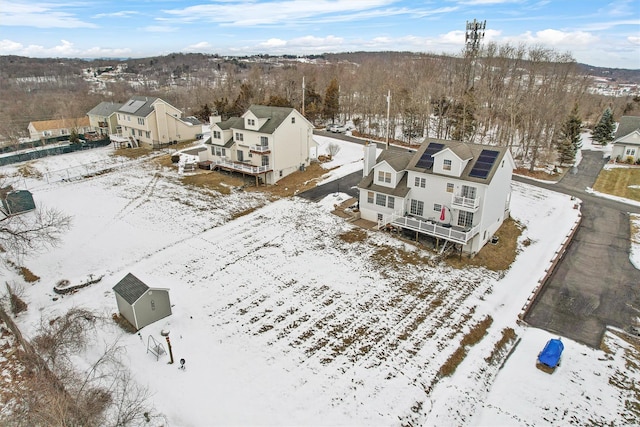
<point x="384" y="177"/>
<point x="251" y="122"/>
<point x="446" y="165"/>
<point x="216" y="134"/>
<point x="293" y="120"/>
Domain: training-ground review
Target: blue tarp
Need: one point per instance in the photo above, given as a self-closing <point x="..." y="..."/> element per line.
<point x="550" y="355"/>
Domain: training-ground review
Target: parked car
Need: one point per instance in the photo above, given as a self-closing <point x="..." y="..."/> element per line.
<point x="338" y="128"/>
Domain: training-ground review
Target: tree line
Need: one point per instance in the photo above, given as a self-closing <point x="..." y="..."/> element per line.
<point x="512" y="95"/>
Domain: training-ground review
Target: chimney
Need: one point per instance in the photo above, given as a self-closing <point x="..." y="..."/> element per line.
<point x="369" y="157"/>
<point x="214" y="119"/>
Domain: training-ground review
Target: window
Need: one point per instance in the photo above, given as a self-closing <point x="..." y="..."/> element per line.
<point x="239" y="136"/>
<point x="251" y="122"/>
<point x="133" y="132"/>
<point x="280" y="174"/>
<point x="216" y="134"/>
<point x="139" y="132"/>
<point x="449" y="187"/>
<point x="417" y="207"/>
<point x="250" y="155"/>
<point x="437" y="207"/>
<point x="465" y="219"/>
<point x="380" y="217"/>
<point x="293" y="120"/>
<point x="219" y="151"/>
<point x="468" y="192"/>
<point x="370" y="197"/>
<point x="384" y="176"/>
<point x="153" y="305"/>
<point x="391" y="202"/>
<point x="264" y="141"/>
<point x="140" y="121"/>
<point x="447" y="165"/>
<point x="147" y="134"/>
<point x="420" y="182"/>
<point x="265" y="160"/>
<point x="631" y="152"/>
<point x="381" y="199"/>
<point x="128" y="118"/>
<point x="240" y="155"/>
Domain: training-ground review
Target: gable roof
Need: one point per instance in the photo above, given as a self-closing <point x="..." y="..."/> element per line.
<point x="398" y="160"/>
<point x="130" y="288"/>
<point x="60" y="124"/>
<point x="104" y="109"/>
<point x="455" y="146"/>
<point x="460" y="149"/>
<point x="138" y="105"/>
<point x="627" y="125"/>
<point x="231" y="122"/>
<point x="276" y="116"/>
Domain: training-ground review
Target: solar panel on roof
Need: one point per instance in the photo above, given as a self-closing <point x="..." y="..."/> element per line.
<point x="426" y="161"/>
<point x="132" y="106"/>
<point x="484" y="164"/>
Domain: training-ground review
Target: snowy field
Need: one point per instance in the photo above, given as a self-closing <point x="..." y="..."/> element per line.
<point x="284" y="318"/>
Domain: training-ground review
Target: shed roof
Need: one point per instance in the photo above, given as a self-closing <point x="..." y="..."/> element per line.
<point x="130" y="288"/>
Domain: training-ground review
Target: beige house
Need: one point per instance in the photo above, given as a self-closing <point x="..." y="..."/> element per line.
<point x="103" y="118"/>
<point x="152" y="122"/>
<point x="455" y="192"/>
<point x="55" y="128"/>
<point x="266" y="142"/>
<point x="626" y="142"/>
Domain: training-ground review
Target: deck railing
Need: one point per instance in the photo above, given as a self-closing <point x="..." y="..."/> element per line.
<point x="432" y="228"/>
<point x="241" y="167"/>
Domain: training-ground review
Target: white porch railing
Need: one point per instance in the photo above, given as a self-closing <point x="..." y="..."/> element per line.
<point x="451" y="233"/>
<point x="260" y="148"/>
<point x="241" y="167"/>
<point x="466" y="203"/>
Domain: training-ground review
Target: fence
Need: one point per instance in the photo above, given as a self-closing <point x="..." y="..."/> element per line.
<point x="36" y="153"/>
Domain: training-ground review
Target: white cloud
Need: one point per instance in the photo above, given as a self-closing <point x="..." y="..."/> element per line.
<point x="296" y="12"/>
<point x="198" y="47"/>
<point x="271" y="43"/>
<point x="40" y="15"/>
<point x="120" y="14"/>
<point x="64" y="49"/>
<point x="555" y="38"/>
<point x="159" y="29"/>
<point x="633" y="40"/>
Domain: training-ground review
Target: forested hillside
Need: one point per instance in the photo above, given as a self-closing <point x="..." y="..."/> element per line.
<point x="510" y="95"/>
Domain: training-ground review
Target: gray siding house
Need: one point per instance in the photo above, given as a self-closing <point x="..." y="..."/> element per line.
<point x="140" y="304"/>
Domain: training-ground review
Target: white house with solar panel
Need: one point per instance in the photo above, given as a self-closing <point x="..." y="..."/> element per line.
<point x="151" y="122"/>
<point x="455" y="192"/>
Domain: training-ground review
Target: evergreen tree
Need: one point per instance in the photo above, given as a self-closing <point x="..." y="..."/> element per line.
<point x="203" y="113"/>
<point x="570" y="140"/>
<point x="603" y="132"/>
<point x="331" y="100"/>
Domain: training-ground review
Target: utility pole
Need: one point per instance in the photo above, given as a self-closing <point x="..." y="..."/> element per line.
<point x="388" y="110"/>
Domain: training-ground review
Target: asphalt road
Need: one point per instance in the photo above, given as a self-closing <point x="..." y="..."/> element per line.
<point x="595" y="284"/>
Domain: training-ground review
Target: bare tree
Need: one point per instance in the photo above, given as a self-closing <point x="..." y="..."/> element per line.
<point x="32" y="231"/>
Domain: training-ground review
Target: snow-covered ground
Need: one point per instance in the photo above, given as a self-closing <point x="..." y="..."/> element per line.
<point x="282" y="320"/>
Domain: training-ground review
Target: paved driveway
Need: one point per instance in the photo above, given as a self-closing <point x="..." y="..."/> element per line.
<point x="595" y="284"/>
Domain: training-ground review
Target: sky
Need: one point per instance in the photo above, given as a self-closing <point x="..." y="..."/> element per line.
<point x="595" y="32"/>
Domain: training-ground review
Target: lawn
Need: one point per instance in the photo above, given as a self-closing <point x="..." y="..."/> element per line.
<point x="619" y="181"/>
